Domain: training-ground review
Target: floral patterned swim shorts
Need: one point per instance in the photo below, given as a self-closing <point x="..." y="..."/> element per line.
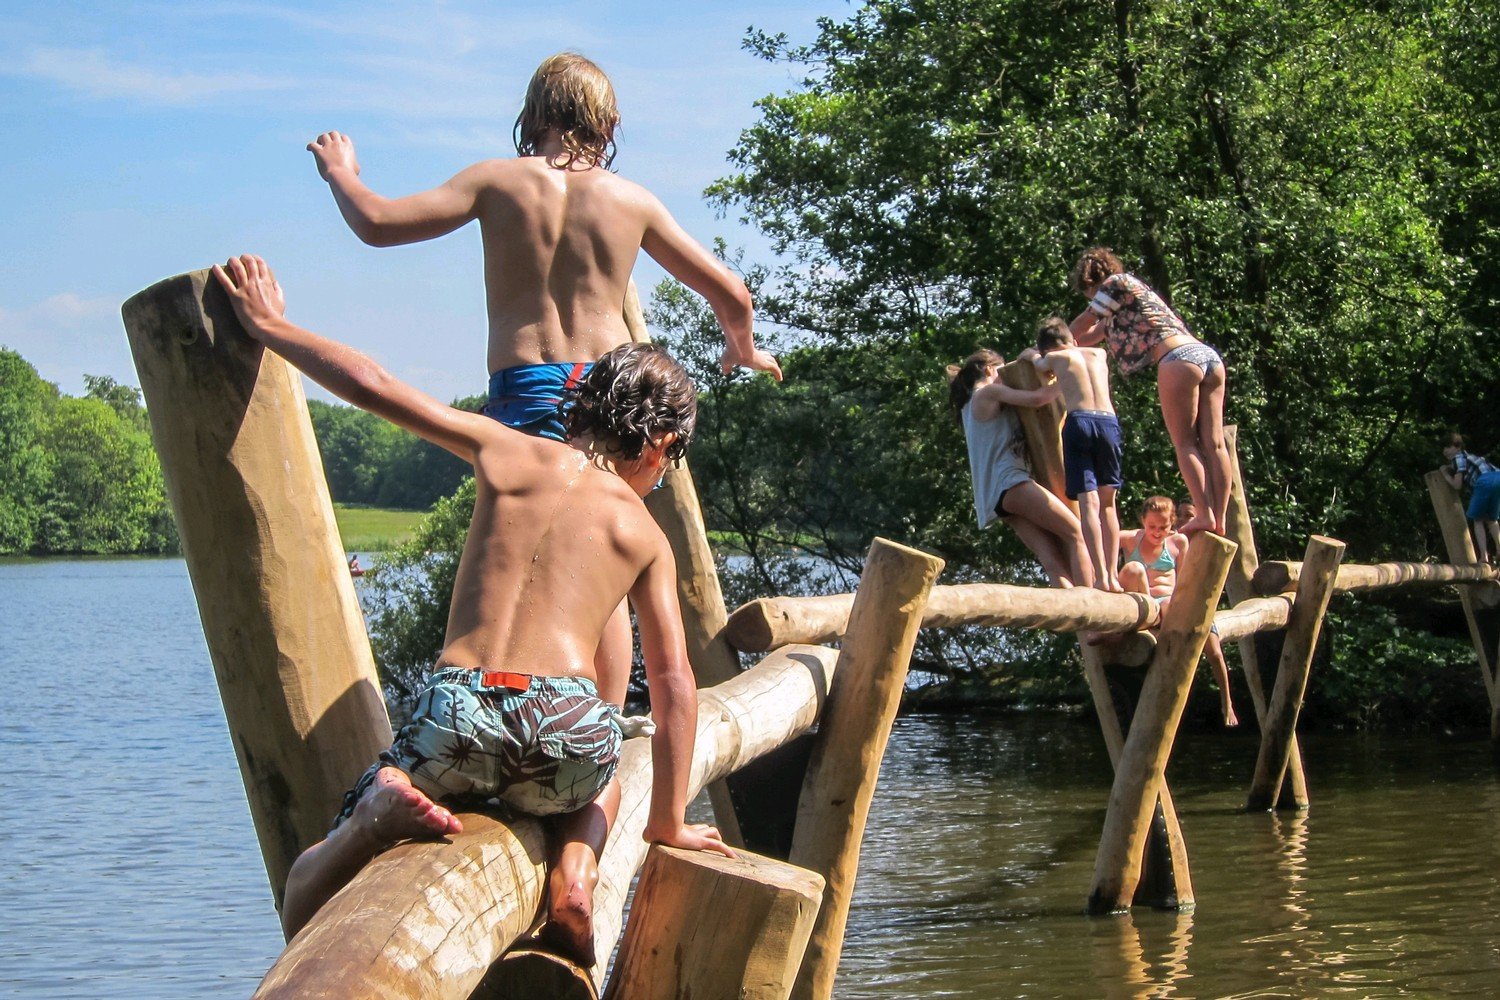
<point x="550" y="748"/>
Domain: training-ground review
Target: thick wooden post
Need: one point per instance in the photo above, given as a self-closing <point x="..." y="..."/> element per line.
<point x="703" y="925"/>
<point x="1241" y="531"/>
<point x="284" y="628"/>
<point x="1042" y="427"/>
<point x="851" y="741"/>
<point x="1139" y="777"/>
<point x="1319" y="569"/>
<point x="1478" y="601"/>
<point x="677" y="511"/>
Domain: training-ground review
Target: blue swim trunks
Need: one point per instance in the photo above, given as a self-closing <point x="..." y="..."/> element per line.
<point x="1091" y="451"/>
<point x="1484" y="503"/>
<point x="534" y="398"/>
<point x="541" y="745"/>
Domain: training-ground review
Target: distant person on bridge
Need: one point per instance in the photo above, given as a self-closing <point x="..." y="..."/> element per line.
<point x="1001" y="473"/>
<point x="1464" y="470"/>
<point x="516" y="707"/>
<point x="1152" y="554"/>
<point x="561" y="234"/>
<point x="1090" y="440"/>
<point x="1140" y="329"/>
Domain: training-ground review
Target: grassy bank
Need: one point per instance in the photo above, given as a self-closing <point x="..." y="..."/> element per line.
<point x="375" y="529"/>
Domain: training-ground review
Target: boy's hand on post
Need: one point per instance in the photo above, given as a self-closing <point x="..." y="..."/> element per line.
<point x="758" y="360"/>
<point x="253" y="290"/>
<point x="333" y="150"/>
<point x="692" y="837"/>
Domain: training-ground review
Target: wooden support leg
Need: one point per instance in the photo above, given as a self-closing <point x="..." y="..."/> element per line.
<point x="1478" y="601"/>
<point x="284" y="628"/>
<point x="703" y="925"/>
<point x="1319" y="568"/>
<point x="1139" y="778"/>
<point x="851" y="741"/>
<point x="1255" y="649"/>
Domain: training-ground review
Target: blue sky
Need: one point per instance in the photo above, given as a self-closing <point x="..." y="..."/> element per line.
<point x="146" y="139"/>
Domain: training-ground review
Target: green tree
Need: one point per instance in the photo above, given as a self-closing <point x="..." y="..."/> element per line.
<point x="26" y="404"/>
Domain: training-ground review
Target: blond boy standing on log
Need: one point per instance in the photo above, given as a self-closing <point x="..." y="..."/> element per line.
<point x="561" y="234"/>
<point x="1090" y="441"/>
<point x="516" y="708"/>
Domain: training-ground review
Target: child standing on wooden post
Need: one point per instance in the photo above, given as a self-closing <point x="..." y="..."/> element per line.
<point x="561" y="234"/>
<point x="1152" y="554"/>
<point x="1090" y="440"/>
<point x="1139" y="329"/>
<point x="1464" y="470"/>
<point x="516" y="708"/>
<point x="1001" y="473"/>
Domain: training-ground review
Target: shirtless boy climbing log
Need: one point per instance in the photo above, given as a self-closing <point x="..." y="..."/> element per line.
<point x="561" y="234"/>
<point x="515" y="707"/>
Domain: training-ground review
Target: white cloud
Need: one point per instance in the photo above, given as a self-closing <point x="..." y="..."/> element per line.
<point x="95" y="74"/>
<point x="67" y="336"/>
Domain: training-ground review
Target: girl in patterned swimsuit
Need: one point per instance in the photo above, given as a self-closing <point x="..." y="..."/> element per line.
<point x="1001" y="474"/>
<point x="1152" y="553"/>
<point x="1139" y="329"/>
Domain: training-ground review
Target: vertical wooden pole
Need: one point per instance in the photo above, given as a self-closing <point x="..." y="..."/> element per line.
<point x="1319" y="568"/>
<point x="677" y="511"/>
<point x="852" y="735"/>
<point x="1477" y="601"/>
<point x="284" y="628"/>
<point x="1241" y="531"/>
<point x="1140" y="775"/>
<point x="703" y="925"/>
<point x="1167" y="883"/>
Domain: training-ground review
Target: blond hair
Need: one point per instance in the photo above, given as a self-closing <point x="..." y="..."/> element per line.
<point x="571" y="96"/>
<point x="1159" y="505"/>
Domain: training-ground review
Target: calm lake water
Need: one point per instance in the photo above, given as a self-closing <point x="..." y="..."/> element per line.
<point x="132" y="870"/>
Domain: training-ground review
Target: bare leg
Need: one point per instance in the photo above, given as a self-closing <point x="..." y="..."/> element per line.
<point x="1214" y="650"/>
<point x="1044" y="546"/>
<point x="1177" y="386"/>
<point x="1481" y="540"/>
<point x="579" y="840"/>
<point x="1109" y="521"/>
<point x="1031" y="503"/>
<point x="612" y="658"/>
<point x="1217" y="465"/>
<point x="1133" y="579"/>
<point x="1093" y="536"/>
<point x="390" y="811"/>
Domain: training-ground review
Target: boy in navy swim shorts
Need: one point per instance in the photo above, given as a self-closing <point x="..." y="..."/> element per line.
<point x="518" y="708"/>
<point x="1090" y="440"/>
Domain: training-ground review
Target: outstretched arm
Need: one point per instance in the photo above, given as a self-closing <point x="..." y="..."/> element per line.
<point x="1017" y="397"/>
<point x="674" y="706"/>
<point x="689" y="262"/>
<point x="385" y="222"/>
<point x="339" y="368"/>
<point x="1085" y="327"/>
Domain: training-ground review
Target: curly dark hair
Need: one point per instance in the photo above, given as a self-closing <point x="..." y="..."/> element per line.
<point x="631" y="397"/>
<point x="1096" y="264"/>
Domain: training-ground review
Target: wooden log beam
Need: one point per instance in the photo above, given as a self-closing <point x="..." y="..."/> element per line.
<point x="284" y="628"/>
<point x="851" y="740"/>
<point x="1282" y="577"/>
<point x="1042" y="428"/>
<point x="1258" y="614"/>
<point x="703" y="925"/>
<point x="1478" y="603"/>
<point x="426" y="919"/>
<point x="1320" y="565"/>
<point x="772" y="622"/>
<point x="1241" y="531"/>
<point x="678" y="513"/>
<point x="1140" y="776"/>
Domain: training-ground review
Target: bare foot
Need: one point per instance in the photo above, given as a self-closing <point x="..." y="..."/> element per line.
<point x="1202" y="522"/>
<point x="1230" y="719"/>
<point x="393" y="810"/>
<point x="570" y="918"/>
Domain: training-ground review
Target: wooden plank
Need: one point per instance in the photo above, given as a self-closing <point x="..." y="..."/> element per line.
<point x="1282" y="577"/>
<point x="284" y="629"/>
<point x="851" y="741"/>
<point x="1320" y="567"/>
<point x="1140" y="776"/>
<point x="703" y="925"/>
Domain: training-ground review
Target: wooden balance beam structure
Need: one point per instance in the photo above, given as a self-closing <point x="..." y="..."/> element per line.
<point x="306" y="715"/>
<point x="1481" y="604"/>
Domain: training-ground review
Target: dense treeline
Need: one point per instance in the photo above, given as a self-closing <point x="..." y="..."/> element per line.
<point x="371" y="461"/>
<point x="77" y="475"/>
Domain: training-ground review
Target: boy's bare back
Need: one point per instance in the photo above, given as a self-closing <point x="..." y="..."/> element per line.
<point x="1082" y="375"/>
